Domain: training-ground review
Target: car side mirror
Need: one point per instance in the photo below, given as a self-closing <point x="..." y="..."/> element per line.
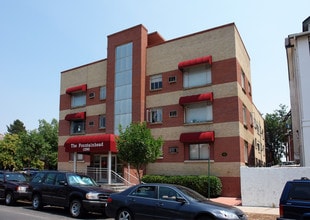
<point x="181" y="200"/>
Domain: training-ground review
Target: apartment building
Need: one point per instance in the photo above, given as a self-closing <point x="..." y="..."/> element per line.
<point x="194" y="91"/>
<point x="298" y="54"/>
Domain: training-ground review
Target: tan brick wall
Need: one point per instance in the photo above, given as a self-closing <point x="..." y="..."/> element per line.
<point x="216" y="42"/>
<point x="231" y="169"/>
<point x="93" y="74"/>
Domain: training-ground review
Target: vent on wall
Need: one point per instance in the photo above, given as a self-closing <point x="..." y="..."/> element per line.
<point x="172" y="79"/>
<point x="91" y="95"/>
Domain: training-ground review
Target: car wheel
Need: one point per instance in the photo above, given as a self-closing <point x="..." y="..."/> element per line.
<point x="124" y="214"/>
<point x="9" y="198"/>
<point x="76" y="208"/>
<point x="36" y="202"/>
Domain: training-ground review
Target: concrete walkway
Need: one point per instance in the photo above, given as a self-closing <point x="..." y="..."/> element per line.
<point x="238" y="203"/>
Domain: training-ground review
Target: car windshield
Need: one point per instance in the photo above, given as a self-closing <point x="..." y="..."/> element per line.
<point x="81" y="180"/>
<point x="16" y="177"/>
<point x="191" y="194"/>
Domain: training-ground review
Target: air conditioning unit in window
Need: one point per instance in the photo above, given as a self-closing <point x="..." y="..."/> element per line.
<point x="172" y="79"/>
<point x="91" y="95"/>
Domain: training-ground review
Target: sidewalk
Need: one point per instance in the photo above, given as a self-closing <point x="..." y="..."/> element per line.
<point x="237" y="202"/>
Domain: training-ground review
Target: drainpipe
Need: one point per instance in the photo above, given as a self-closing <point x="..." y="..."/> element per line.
<point x="109" y="167"/>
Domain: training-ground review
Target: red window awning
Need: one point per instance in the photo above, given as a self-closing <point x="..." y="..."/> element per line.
<point x="102" y="143"/>
<point x="196" y="98"/>
<point x="76" y="116"/>
<point x="197" y="137"/>
<point x="79" y="88"/>
<point x="196" y="61"/>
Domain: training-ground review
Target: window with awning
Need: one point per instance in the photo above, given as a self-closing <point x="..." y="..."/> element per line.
<point x="76" y="116"/>
<point x="195" y="61"/>
<point x="79" y="88"/>
<point x="196" y="98"/>
<point x="197" y="137"/>
<point x="101" y="143"/>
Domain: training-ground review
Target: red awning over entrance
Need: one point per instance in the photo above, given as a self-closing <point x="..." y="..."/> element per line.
<point x="197" y="137"/>
<point x="80" y="88"/>
<point x="101" y="143"/>
<point x="196" y="98"/>
<point x="196" y="61"/>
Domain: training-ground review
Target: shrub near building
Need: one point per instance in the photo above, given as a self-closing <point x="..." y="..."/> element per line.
<point x="197" y="183"/>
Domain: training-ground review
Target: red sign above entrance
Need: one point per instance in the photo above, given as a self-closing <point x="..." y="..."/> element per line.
<point x="92" y="143"/>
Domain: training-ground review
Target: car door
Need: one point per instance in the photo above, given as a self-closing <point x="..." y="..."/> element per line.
<point x="60" y="191"/>
<point x="2" y="186"/>
<point x="48" y="188"/>
<point x="171" y="205"/>
<point x="143" y="201"/>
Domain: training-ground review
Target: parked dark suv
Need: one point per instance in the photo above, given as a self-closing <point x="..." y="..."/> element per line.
<point x="76" y="192"/>
<point x="295" y="200"/>
<point x="13" y="187"/>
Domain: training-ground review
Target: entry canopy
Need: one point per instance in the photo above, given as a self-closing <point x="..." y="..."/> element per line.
<point x="101" y="143"/>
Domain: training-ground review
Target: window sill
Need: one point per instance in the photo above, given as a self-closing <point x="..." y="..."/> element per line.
<point x="198" y="161"/>
<point x="198" y="123"/>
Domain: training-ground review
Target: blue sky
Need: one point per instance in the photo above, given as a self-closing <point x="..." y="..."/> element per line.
<point x="42" y="38"/>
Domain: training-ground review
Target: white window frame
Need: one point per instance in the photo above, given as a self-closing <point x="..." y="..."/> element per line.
<point x="197" y="76"/>
<point x="243" y="80"/>
<point x="78" y="99"/>
<point x="198" y="113"/>
<point x="200" y="151"/>
<point x="156" y="82"/>
<point x="156" y="115"/>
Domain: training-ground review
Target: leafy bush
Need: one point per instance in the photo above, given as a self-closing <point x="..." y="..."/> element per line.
<point x="197" y="183"/>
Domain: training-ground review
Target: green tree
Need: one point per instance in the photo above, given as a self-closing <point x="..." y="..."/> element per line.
<point x="30" y="150"/>
<point x="16" y="128"/>
<point x="49" y="132"/>
<point x="8" y="149"/>
<point x="137" y="146"/>
<point x="276" y="129"/>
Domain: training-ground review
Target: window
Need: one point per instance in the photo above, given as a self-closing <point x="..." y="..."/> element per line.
<point x="156" y="115"/>
<point x="172" y="79"/>
<point x="123" y="86"/>
<point x="197" y="76"/>
<point x="198" y="113"/>
<point x="145" y="191"/>
<point x="80" y="157"/>
<point x="101" y="121"/>
<point x="156" y="82"/>
<point x="173" y="114"/>
<point x="103" y="92"/>
<point x="166" y="193"/>
<point x="60" y="178"/>
<point x="173" y="150"/>
<point x="246" y="149"/>
<point x="77" y="127"/>
<point x="50" y="178"/>
<point x="244" y="115"/>
<point x="78" y="99"/>
<point x="243" y="80"/>
<point x="199" y="151"/>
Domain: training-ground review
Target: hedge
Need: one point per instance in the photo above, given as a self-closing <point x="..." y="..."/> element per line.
<point x="197" y="183"/>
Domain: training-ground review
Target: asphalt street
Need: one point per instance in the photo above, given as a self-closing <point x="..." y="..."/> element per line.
<point x="24" y="211"/>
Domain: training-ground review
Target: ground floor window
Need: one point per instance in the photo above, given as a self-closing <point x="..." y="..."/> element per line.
<point x="79" y="157"/>
<point x="199" y="151"/>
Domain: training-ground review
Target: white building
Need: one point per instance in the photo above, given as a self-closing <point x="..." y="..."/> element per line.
<point x="298" y="60"/>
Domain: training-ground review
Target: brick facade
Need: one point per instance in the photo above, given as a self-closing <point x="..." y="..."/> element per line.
<point x="234" y="116"/>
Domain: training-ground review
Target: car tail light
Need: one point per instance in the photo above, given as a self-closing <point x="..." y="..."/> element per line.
<point x="109" y="200"/>
<point x="281" y="210"/>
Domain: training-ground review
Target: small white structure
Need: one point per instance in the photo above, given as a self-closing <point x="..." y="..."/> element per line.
<point x="298" y="60"/>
